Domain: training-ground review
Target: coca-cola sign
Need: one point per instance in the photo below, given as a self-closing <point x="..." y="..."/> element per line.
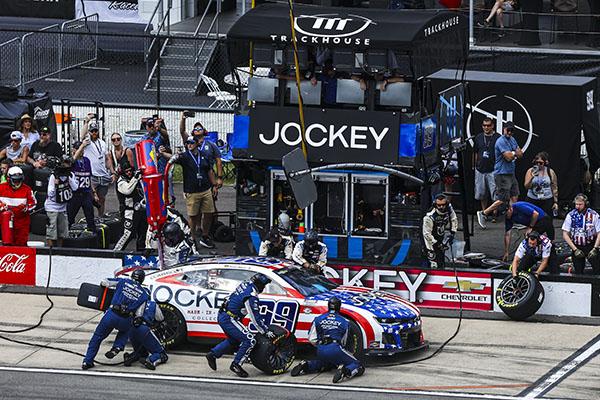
<point x="17" y="266"/>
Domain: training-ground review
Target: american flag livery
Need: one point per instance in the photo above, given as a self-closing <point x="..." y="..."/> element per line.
<point x="385" y="323"/>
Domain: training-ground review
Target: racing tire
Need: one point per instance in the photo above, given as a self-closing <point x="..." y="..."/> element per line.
<point x="38" y="224"/>
<point x="354" y="341"/>
<point x="40" y="179"/>
<point x="224" y="234"/>
<point x="81" y="239"/>
<point x="521" y="297"/>
<point x="274" y="358"/>
<point x="174" y="331"/>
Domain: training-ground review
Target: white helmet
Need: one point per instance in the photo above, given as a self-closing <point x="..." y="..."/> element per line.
<point x="284" y="223"/>
<point x="15" y="176"/>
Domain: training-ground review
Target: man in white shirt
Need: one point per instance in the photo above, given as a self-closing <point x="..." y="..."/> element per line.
<point x="581" y="232"/>
<point x="61" y="186"/>
<point x="534" y="248"/>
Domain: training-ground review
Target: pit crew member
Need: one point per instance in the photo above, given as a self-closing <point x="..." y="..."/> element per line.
<point x="129" y="295"/>
<point x="328" y="332"/>
<point x="435" y="224"/>
<point x="178" y="247"/>
<point x="17" y="197"/>
<point x="310" y="253"/>
<point x="580" y="231"/>
<point x="243" y="299"/>
<point x="275" y="245"/>
<point x="145" y="344"/>
<point x="534" y="248"/>
<point x="135" y="222"/>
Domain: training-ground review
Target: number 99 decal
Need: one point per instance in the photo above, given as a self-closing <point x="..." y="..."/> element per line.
<point x="282" y="313"/>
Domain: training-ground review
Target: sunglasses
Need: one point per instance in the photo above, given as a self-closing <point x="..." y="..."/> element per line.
<point x="15" y="140"/>
<point x="540" y="162"/>
<point x="45" y="134"/>
<point x="487" y="125"/>
<point x="115" y="139"/>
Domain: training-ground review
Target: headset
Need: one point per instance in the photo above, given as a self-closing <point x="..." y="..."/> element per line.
<point x="582" y="196"/>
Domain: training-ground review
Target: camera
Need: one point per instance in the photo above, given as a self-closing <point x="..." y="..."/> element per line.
<point x="189" y="114"/>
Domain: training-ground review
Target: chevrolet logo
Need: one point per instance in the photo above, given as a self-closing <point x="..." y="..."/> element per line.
<point x="465" y="286"/>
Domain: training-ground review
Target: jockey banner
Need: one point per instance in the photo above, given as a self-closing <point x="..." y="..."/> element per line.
<point x="424" y="288"/>
<point x="17" y="265"/>
<point x="110" y="10"/>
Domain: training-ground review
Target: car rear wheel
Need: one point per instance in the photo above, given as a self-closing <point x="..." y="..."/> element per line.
<point x="520" y="297"/>
<point x="173" y="332"/>
<point x="274" y="358"/>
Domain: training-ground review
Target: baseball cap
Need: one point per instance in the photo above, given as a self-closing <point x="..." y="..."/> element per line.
<point x="190" y="140"/>
<point x="509" y="125"/>
<point x="199" y="130"/>
<point x="16" y="135"/>
<point x="93" y="126"/>
<point x="44" y="130"/>
<point x="150" y="121"/>
<point x="76" y="144"/>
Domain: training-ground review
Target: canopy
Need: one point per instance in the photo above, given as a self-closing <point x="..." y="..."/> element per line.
<point x="435" y="37"/>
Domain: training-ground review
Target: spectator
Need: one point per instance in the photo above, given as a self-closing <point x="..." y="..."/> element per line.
<point x="135" y="223"/>
<point x="27" y="128"/>
<point x="533" y="217"/>
<point x="120" y="156"/>
<point x="534" y="248"/>
<point x="506" y="151"/>
<point x="542" y="185"/>
<point x="103" y="172"/>
<point x="580" y="231"/>
<point x="198" y="178"/>
<point x="84" y="196"/>
<point x="61" y="185"/>
<point x="44" y="148"/>
<point x="161" y="142"/>
<point x="16" y="150"/>
<point x="17" y="197"/>
<point x="498" y="9"/>
<point x="5" y="165"/>
<point x="484" y="158"/>
<point x="210" y="149"/>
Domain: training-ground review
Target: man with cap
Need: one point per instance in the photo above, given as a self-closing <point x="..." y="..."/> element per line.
<point x="17" y="197"/>
<point x="328" y="333"/>
<point x="242" y="302"/>
<point x="16" y="150"/>
<point x="535" y="247"/>
<point x="43" y="149"/>
<point x="83" y="196"/>
<point x="161" y="143"/>
<point x="310" y="253"/>
<point x="507" y="152"/>
<point x="103" y="171"/>
<point x="275" y="245"/>
<point x="128" y="297"/>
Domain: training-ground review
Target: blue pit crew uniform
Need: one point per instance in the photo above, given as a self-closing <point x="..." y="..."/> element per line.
<point x="129" y="295"/>
<point x="328" y="332"/>
<point x="243" y="300"/>
<point x="145" y="343"/>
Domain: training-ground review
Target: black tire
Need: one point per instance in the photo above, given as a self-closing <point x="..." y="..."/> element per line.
<point x="115" y="228"/>
<point x="520" y="297"/>
<point x="274" y="358"/>
<point x="174" y="332"/>
<point x="38" y="224"/>
<point x="224" y="234"/>
<point x="354" y="341"/>
<point x="81" y="239"/>
<point x="215" y="226"/>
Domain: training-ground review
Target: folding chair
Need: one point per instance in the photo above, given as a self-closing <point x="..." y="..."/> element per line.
<point x="222" y="99"/>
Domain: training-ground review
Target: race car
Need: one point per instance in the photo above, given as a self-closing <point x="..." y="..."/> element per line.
<point x="191" y="294"/>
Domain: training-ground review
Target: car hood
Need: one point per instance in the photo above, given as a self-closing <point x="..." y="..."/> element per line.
<point x="380" y="304"/>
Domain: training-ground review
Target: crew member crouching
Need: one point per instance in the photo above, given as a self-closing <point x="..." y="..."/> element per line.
<point x="435" y="223"/>
<point x="276" y="245"/>
<point x="534" y="248"/>
<point x="243" y="300"/>
<point x="329" y="332"/>
<point x="178" y="247"/>
<point x="145" y="344"/>
<point x="310" y="253"/>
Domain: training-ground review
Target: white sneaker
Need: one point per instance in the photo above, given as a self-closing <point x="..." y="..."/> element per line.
<point x="481" y="219"/>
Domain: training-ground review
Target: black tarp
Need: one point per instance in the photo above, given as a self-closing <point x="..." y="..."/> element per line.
<point x="38" y="106"/>
<point x="550" y="113"/>
<point x="60" y="9"/>
<point x="433" y="38"/>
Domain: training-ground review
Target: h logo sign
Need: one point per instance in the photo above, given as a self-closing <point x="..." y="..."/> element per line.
<point x="331" y="23"/>
<point x="501" y="119"/>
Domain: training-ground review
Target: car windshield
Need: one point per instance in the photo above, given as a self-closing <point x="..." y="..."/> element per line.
<point x="308" y="283"/>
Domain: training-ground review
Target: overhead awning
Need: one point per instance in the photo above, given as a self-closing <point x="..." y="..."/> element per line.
<point x="437" y="34"/>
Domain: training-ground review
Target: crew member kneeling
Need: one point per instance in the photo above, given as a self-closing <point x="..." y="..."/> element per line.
<point x="581" y="231"/>
<point x="129" y="295"/>
<point x="245" y="297"/>
<point x="276" y="245"/>
<point x="178" y="247"/>
<point x="310" y="253"/>
<point x="145" y="344"/>
<point x="17" y="197"/>
<point x="534" y="248"/>
<point x="435" y="223"/>
<point x="328" y="332"/>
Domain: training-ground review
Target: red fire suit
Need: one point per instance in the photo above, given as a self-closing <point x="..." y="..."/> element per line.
<point x="21" y="202"/>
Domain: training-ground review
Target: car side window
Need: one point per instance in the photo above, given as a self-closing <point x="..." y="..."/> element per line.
<point x="275" y="289"/>
<point x="227" y="279"/>
<point x="196" y="278"/>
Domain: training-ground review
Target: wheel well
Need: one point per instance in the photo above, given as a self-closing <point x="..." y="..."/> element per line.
<point x="362" y="331"/>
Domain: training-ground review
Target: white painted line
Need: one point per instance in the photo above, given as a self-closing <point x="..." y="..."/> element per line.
<point x="563" y="371"/>
<point x="177" y="378"/>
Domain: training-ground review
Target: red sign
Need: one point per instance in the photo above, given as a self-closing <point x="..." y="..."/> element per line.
<point x="17" y="265"/>
<point x="425" y="288"/>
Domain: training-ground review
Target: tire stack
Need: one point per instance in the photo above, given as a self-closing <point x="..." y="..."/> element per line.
<point x="110" y="229"/>
<point x="81" y="238"/>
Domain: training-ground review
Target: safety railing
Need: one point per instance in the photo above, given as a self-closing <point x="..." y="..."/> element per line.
<point x="10" y="63"/>
<point x="200" y="43"/>
<point x="154" y="51"/>
<point x="39" y="54"/>
<point x="77" y="50"/>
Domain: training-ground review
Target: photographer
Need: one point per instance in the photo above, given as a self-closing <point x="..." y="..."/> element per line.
<point x="135" y="210"/>
<point x="61" y="186"/>
<point x="542" y="185"/>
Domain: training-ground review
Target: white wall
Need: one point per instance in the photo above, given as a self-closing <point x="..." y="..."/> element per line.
<point x="69" y="272"/>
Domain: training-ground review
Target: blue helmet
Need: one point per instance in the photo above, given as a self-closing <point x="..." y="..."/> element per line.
<point x="260" y="281"/>
<point x="311" y="239"/>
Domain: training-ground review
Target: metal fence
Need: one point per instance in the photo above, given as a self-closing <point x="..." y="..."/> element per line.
<point x="10" y="62"/>
<point x="40" y="54"/>
<point x="78" y="50"/>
